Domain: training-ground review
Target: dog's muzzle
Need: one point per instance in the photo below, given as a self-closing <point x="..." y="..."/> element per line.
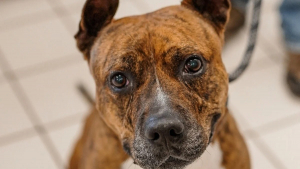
<point x="167" y="140"/>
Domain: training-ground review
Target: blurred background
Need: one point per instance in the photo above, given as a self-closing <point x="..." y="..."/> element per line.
<point x="42" y="113"/>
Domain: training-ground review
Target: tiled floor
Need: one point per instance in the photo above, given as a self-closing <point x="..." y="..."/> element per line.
<point x="41" y="111"/>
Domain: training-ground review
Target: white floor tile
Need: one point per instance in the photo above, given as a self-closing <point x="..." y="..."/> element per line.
<point x="262" y="96"/>
<point x="128" y="8"/>
<point x="54" y="94"/>
<point x="239" y="119"/>
<point x="37" y="43"/>
<point x="13" y="9"/>
<point x="258" y="160"/>
<point x="234" y="50"/>
<point x="271" y="34"/>
<point x="285" y="144"/>
<point x="76" y="17"/>
<point x="75" y="6"/>
<point x="2" y="79"/>
<point x="150" y="6"/>
<point x="12" y="116"/>
<point x="29" y="153"/>
<point x="65" y="140"/>
<point x="25" y="20"/>
<point x="58" y="63"/>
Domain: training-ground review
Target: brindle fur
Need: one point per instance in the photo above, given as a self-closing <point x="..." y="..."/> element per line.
<point x="150" y="50"/>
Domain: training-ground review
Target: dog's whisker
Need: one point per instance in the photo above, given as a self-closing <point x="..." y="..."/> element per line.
<point x="130" y="165"/>
<point x="207" y="152"/>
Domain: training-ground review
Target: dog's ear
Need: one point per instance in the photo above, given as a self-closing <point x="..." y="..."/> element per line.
<point x="216" y="11"/>
<point x="96" y="14"/>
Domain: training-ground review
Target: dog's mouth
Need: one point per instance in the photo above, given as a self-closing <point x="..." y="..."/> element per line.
<point x="175" y="154"/>
<point x="171" y="159"/>
<point x="174" y="162"/>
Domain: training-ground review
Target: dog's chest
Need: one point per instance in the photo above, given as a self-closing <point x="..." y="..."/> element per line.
<point x="210" y="159"/>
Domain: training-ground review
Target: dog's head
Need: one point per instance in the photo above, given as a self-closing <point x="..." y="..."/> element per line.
<point x="161" y="84"/>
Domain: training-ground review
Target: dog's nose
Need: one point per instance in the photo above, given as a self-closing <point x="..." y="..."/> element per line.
<point x="161" y="128"/>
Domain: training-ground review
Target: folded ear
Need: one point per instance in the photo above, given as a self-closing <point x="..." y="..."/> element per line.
<point x="96" y="14"/>
<point x="216" y="11"/>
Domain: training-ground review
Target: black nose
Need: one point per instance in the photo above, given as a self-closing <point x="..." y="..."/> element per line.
<point x="163" y="127"/>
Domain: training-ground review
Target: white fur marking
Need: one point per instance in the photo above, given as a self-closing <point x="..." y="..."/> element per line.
<point x="161" y="97"/>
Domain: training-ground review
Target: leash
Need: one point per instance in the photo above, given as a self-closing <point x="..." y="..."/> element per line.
<point x="251" y="42"/>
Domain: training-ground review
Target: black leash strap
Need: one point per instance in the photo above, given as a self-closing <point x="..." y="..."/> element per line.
<point x="251" y="42"/>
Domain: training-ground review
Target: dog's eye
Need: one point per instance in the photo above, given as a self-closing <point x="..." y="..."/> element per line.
<point x="193" y="65"/>
<point x="119" y="81"/>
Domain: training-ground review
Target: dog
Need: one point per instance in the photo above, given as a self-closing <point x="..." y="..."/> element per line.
<point x="161" y="89"/>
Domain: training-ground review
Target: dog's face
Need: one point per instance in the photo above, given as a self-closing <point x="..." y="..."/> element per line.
<point x="161" y="84"/>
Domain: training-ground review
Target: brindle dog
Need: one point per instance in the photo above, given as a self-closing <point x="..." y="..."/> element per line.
<point x="161" y="87"/>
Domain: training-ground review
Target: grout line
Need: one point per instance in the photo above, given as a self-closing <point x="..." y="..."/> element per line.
<point x="250" y="73"/>
<point x="29" y="110"/>
<point x="262" y="146"/>
<point x="53" y="126"/>
<point x="28" y="19"/>
<point x="52" y="149"/>
<point x="258" y="64"/>
<point x="65" y="122"/>
<point x="274" y="56"/>
<point x="237" y="115"/>
<point x="274" y="126"/>
<point x="265" y="149"/>
<point x="68" y="23"/>
<point x="17" y="136"/>
<point x="48" y="66"/>
<point x="20" y="94"/>
<point x="43" y="67"/>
